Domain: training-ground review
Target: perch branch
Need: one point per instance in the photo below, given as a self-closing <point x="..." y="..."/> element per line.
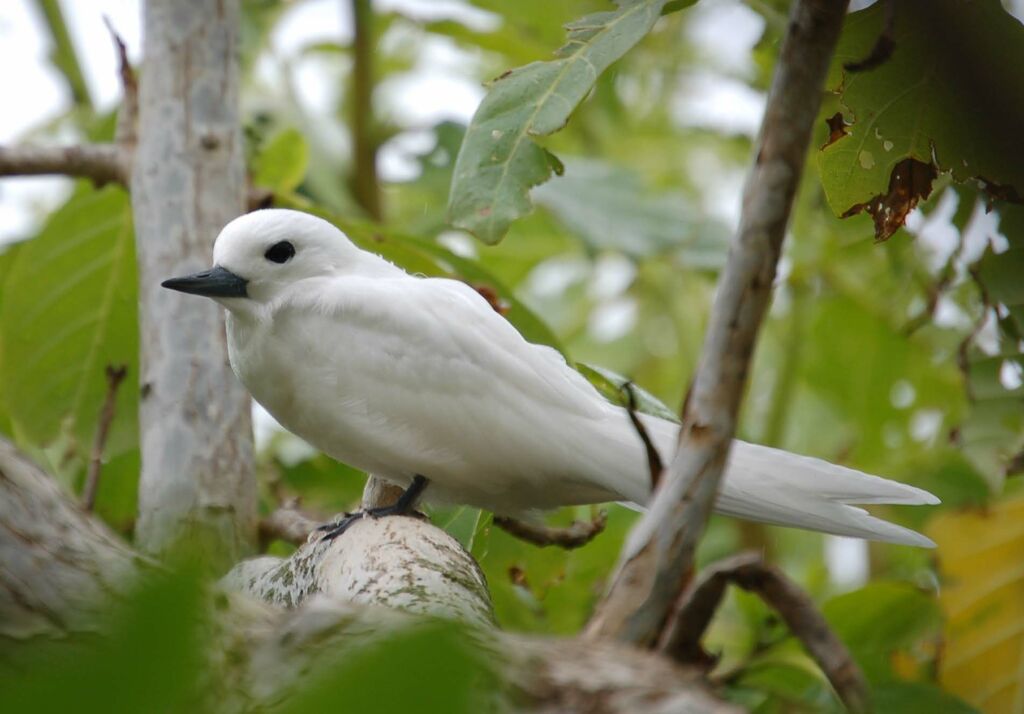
<point x="103" y="163"/>
<point x="61" y="570"/>
<point x="115" y="375"/>
<point x="658" y="556"/>
<point x="578" y="534"/>
<point x="681" y="639"/>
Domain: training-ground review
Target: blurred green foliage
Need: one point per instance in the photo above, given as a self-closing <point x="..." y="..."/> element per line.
<point x="902" y="359"/>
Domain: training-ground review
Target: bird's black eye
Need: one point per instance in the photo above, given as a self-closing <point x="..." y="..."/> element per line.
<point x="280" y="252"/>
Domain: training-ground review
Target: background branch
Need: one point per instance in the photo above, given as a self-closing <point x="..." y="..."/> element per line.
<point x="681" y="639"/>
<point x="574" y="536"/>
<point x="658" y="556"/>
<point x="103" y="163"/>
<point x="115" y="375"/>
<point x="364" y="179"/>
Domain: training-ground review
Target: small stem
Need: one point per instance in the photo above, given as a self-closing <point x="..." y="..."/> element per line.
<point x="682" y="635"/>
<point x="578" y="534"/>
<point x="364" y="181"/>
<point x="63" y="54"/>
<point x="115" y="375"/>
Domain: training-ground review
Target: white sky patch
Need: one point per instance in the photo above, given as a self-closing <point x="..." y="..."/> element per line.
<point x="936" y="234"/>
<point x="725" y="31"/>
<point x="925" y="425"/>
<point x="441" y="86"/>
<point x="552" y="277"/>
<point x="1011" y="374"/>
<point x="847" y="561"/>
<point x="397" y="158"/>
<point x="432" y="10"/>
<point x="714" y="101"/>
<point x="612" y="320"/>
<point x="310" y="22"/>
<point x="613" y="274"/>
<point x="460" y="243"/>
<point x="902" y="394"/>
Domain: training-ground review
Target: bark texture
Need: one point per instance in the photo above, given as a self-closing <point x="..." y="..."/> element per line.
<point x="402" y="563"/>
<point x="658" y="556"/>
<point x="60" y="569"/>
<point x="103" y="163"/>
<point x="187" y="181"/>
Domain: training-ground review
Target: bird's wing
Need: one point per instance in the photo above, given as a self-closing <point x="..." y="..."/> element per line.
<point x="451" y="386"/>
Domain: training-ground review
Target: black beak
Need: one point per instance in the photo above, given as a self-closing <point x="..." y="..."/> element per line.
<point x="215" y="283"/>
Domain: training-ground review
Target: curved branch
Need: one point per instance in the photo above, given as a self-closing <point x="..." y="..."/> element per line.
<point x="658" y="556"/>
<point x="103" y="163"/>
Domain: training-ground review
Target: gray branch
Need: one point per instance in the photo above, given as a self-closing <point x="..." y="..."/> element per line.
<point x="102" y="163"/>
<point x="658" y="555"/>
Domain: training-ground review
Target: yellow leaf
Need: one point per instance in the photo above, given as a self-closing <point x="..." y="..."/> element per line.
<point x="982" y="563"/>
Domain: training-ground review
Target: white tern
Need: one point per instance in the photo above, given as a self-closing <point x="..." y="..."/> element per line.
<point x="404" y="377"/>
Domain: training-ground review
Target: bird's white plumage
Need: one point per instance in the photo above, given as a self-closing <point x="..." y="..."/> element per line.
<point x="401" y="375"/>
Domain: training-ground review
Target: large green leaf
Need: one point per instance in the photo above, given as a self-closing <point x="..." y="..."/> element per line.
<point x="610" y="208"/>
<point x="951" y="95"/>
<point x="67" y="311"/>
<point x="499" y="161"/>
<point x="281" y="164"/>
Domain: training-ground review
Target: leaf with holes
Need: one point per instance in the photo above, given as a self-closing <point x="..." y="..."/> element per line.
<point x="499" y="161"/>
<point x="68" y="309"/>
<point x="949" y="98"/>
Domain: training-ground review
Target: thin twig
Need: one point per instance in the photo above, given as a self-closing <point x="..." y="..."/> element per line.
<point x="103" y="163"/>
<point x="289" y="524"/>
<point x="654" y="464"/>
<point x="885" y="45"/>
<point x="578" y="534"/>
<point x="681" y="638"/>
<point x="128" y="118"/>
<point x="115" y="375"/>
<point x="365" y="184"/>
<point x="659" y="554"/>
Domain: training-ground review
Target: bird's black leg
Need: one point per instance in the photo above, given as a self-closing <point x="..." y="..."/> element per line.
<point x="405" y="503"/>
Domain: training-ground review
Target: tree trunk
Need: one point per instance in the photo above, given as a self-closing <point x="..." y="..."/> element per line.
<point x="188" y="180"/>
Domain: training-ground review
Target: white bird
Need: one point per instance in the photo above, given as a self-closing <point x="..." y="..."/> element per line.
<point x="405" y="377"/>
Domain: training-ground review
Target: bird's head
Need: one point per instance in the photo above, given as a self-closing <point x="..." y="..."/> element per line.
<point x="258" y="255"/>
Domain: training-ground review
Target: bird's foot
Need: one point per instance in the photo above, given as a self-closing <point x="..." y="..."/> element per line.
<point x="402" y="507"/>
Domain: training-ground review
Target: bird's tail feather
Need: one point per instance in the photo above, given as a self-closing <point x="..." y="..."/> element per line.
<point x="778" y="487"/>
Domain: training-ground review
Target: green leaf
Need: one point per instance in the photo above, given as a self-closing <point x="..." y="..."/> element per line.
<point x="916" y="698"/>
<point x="612" y="387"/>
<point x="499" y="161"/>
<point x="951" y="92"/>
<point x="149" y="658"/>
<point x="68" y="309"/>
<point x="430" y="668"/>
<point x="610" y="208"/>
<point x="282" y="163"/>
<point x="880" y="619"/>
<point x="983" y="652"/>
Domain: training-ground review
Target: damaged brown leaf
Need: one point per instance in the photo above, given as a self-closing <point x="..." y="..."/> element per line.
<point x="910" y="182"/>
<point x="836" y="129"/>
